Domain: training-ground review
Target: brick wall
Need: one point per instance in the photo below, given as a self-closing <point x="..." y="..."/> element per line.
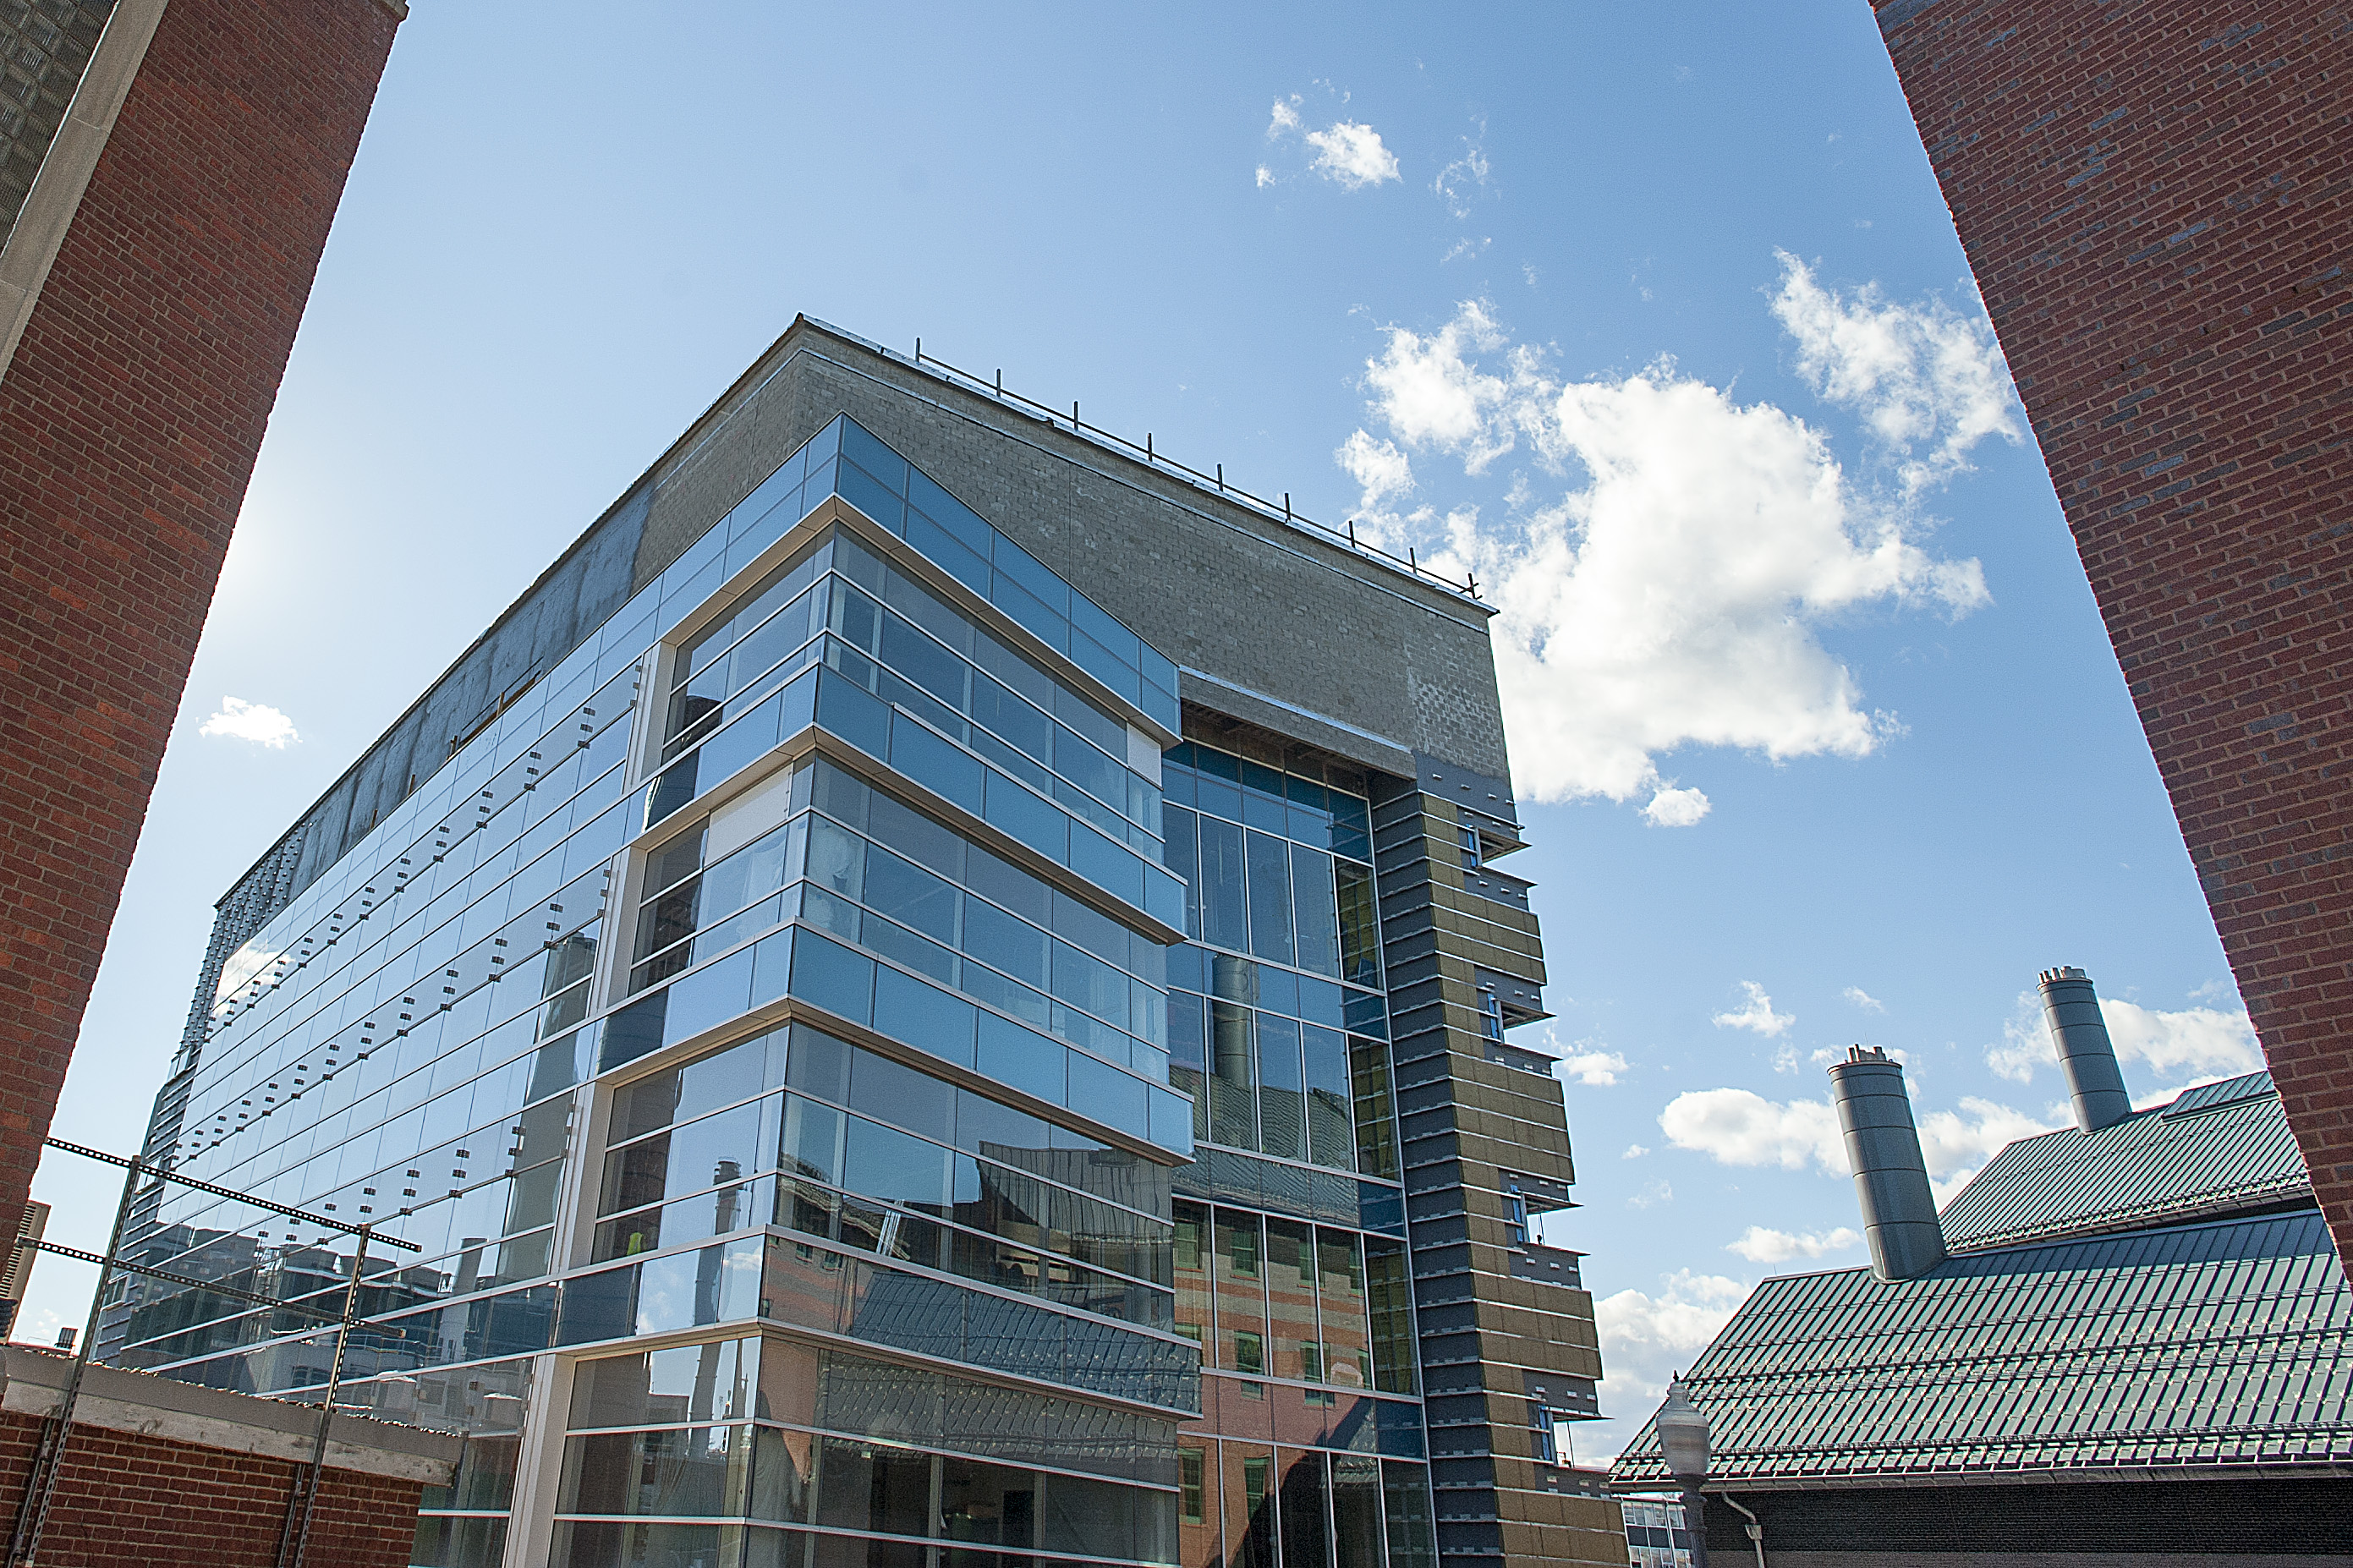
<point x="2154" y="199"/>
<point x="129" y="421"/>
<point x="127" y="1500"/>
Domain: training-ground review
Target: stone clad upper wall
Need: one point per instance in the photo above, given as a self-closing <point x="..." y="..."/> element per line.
<point x="1215" y="586"/>
<point x="1405" y="667"/>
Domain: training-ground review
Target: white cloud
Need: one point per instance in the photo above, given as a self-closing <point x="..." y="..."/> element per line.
<point x="1634" y="1152"/>
<point x="2190" y="1045"/>
<point x="2195" y="1042"/>
<point x="1596" y="1067"/>
<point x="1759" y="1244"/>
<point x="1786" y="1059"/>
<point x="1463" y="178"/>
<point x="1957" y="1145"/>
<point x="1430" y="391"/>
<point x="1657" y="1192"/>
<point x="1757" y="1014"/>
<point x="1929" y="382"/>
<point x="1645" y="1339"/>
<point x="1380" y="470"/>
<point x="1735" y="1127"/>
<point x="1864" y="999"/>
<point x="1348" y="152"/>
<point x="1673" y="807"/>
<point x="1739" y="1128"/>
<point x="255" y="722"/>
<point x="1672" y="596"/>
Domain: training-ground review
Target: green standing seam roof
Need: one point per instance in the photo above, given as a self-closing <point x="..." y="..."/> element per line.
<point x="2219" y="1346"/>
<point x="2219" y="1149"/>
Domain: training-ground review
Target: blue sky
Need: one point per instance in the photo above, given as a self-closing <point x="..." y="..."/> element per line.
<point x="1654" y="317"/>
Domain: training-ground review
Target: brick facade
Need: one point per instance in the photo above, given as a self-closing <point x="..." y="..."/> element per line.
<point x="124" y="1500"/>
<point x="130" y="418"/>
<point x="2154" y="199"/>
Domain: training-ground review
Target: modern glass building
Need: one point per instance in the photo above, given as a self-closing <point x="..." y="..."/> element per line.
<point x="933" y="993"/>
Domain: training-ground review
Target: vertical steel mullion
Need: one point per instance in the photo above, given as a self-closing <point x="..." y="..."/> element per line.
<point x="295" y="1538"/>
<point x="48" y="1460"/>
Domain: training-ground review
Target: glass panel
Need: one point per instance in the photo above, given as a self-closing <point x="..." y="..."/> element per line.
<point x="1282" y="1101"/>
<point x="1406" y="1498"/>
<point x="1234" y="1076"/>
<point x="1250" y="1505"/>
<point x="1306" y="1537"/>
<point x="1192" y="1245"/>
<point x="1242" y="1293"/>
<point x="1360" y="945"/>
<point x="1224" y="921"/>
<point x="1199" y="1543"/>
<point x="1290" y="1300"/>
<point x="1314" y="903"/>
<point x="1340" y="1279"/>
<point x="1357" y="1510"/>
<point x="1375" y="1122"/>
<point x="1389" y="1293"/>
<point x="1269" y="871"/>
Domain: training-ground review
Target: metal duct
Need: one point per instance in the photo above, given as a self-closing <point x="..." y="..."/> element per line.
<point x="1891" y="1178"/>
<point x="2079" y="1034"/>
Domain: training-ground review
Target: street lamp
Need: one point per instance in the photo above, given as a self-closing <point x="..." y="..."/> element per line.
<point x="1684" y="1440"/>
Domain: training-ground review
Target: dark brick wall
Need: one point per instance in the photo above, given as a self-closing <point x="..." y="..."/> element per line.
<point x="2155" y="1520"/>
<point x="123" y="1499"/>
<point x="2153" y="194"/>
<point x="129" y="421"/>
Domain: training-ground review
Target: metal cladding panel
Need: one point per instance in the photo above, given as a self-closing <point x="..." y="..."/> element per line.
<point x="2222" y="1146"/>
<point x="2212" y="1346"/>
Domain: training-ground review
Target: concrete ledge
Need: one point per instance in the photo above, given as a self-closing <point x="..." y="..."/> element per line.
<point x="32" y="1383"/>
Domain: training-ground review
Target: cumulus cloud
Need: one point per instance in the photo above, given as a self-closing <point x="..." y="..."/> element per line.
<point x="255" y="722"/>
<point x="1673" y="807"/>
<point x="1634" y="1152"/>
<point x="1864" y="999"/>
<point x="1596" y="1067"/>
<point x="1760" y="1245"/>
<point x="2180" y="1048"/>
<point x="1929" y="382"/>
<point x="1957" y="1145"/>
<point x="1645" y="1339"/>
<point x="1737" y="1127"/>
<point x="1757" y="1014"/>
<point x="1672" y="596"/>
<point x="2192" y="1043"/>
<point x="1347" y="152"/>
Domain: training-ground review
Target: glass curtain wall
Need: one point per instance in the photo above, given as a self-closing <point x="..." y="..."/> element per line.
<point x="401" y="1043"/>
<point x="894" y="1046"/>
<point x="1291" y="1262"/>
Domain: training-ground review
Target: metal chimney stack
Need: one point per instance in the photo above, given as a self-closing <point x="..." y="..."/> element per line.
<point x="1891" y="1178"/>
<point x="2072" y="1008"/>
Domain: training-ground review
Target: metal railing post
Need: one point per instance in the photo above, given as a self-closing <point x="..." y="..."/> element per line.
<point x="304" y="1503"/>
<point x="48" y="1458"/>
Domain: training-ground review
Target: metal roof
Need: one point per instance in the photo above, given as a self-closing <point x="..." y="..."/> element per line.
<point x="2220" y="1149"/>
<point x="2218" y="1347"/>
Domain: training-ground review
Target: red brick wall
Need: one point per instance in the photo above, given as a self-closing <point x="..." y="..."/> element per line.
<point x="123" y="1499"/>
<point x="2153" y="194"/>
<point x="129" y="421"/>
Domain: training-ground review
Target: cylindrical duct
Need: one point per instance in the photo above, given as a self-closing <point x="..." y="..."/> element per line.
<point x="1891" y="1178"/>
<point x="2080" y="1035"/>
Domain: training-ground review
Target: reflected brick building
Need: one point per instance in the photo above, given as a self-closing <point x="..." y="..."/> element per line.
<point x="2155" y="201"/>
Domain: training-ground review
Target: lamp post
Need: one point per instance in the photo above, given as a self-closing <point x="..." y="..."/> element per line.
<point x="1684" y="1440"/>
